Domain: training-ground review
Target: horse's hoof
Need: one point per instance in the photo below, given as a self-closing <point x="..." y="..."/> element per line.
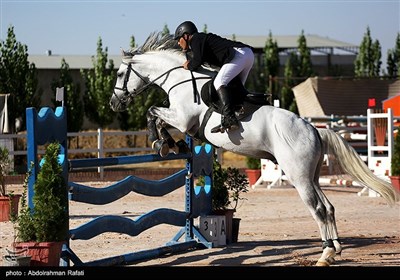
<point x="325" y="262"/>
<point x="322" y="263"/>
<point x="338" y="247"/>
<point x="161" y="146"/>
<point x="182" y="147"/>
<point x="175" y="149"/>
<point x="330" y="260"/>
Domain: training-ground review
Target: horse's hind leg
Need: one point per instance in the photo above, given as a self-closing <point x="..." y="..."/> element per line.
<point x="331" y="232"/>
<point x="323" y="213"/>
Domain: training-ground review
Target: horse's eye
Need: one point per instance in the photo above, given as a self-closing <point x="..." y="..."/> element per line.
<point x="120" y="74"/>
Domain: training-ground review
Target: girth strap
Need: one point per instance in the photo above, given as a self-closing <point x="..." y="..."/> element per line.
<point x="200" y="133"/>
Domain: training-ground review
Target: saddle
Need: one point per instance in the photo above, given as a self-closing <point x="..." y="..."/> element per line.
<point x="244" y="102"/>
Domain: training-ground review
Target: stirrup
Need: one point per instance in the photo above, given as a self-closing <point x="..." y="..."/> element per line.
<point x="218" y="128"/>
<point x="222" y="129"/>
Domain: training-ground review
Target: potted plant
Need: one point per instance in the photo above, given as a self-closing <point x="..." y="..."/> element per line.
<point x="395" y="163"/>
<point x="8" y="200"/>
<point x="19" y="257"/>
<point x="44" y="229"/>
<point x="227" y="186"/>
<point x="237" y="184"/>
<point x="253" y="170"/>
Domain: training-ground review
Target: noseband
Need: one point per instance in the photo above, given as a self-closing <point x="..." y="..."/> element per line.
<point x="124" y="88"/>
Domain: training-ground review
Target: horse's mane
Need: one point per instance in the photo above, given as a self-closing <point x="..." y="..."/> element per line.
<point x="156" y="41"/>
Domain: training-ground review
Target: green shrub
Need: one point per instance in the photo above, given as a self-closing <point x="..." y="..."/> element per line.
<point x="5" y="162"/>
<point x="48" y="220"/>
<point x="395" y="163"/>
<point x="227" y="186"/>
<point x="253" y="163"/>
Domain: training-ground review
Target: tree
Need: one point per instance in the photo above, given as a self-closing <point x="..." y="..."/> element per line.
<point x="368" y="61"/>
<point x="298" y="68"/>
<point x="287" y="95"/>
<point x="272" y="64"/>
<point x="165" y="30"/>
<point x="72" y="98"/>
<point x="128" y="119"/>
<point x="305" y="65"/>
<point x="18" y="77"/>
<point x="393" y="59"/>
<point x="99" y="83"/>
<point x="132" y="43"/>
<point x="256" y="80"/>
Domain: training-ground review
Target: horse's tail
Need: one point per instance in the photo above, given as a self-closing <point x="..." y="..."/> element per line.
<point x="352" y="164"/>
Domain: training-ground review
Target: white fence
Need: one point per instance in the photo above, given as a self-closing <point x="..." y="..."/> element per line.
<point x="16" y="145"/>
<point x="355" y="134"/>
<point x="353" y="129"/>
<point x="8" y="140"/>
<point x="360" y="133"/>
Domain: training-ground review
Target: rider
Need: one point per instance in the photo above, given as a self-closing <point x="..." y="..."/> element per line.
<point x="234" y="58"/>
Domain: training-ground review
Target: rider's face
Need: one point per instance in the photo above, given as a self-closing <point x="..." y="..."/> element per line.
<point x="183" y="43"/>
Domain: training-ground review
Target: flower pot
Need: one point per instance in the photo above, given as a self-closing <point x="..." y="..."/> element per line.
<point x="235" y="229"/>
<point x="228" y="213"/>
<point x="253" y="175"/>
<point x="395" y="182"/>
<point x="5" y="206"/>
<point x="42" y="253"/>
<point x="12" y="260"/>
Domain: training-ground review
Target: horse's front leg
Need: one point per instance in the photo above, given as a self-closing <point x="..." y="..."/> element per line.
<point x="167" y="140"/>
<point x="161" y="139"/>
<point x="175" y="117"/>
<point x="151" y="127"/>
<point x="156" y="135"/>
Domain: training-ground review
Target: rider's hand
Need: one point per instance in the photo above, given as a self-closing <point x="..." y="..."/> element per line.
<point x="185" y="65"/>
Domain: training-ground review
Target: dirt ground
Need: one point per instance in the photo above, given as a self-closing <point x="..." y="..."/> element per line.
<point x="276" y="230"/>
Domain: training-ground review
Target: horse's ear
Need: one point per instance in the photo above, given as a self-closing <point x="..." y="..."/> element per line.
<point x="127" y="53"/>
<point x="123" y="52"/>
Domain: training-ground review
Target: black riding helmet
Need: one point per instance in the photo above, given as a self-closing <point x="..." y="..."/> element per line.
<point x="185" y="27"/>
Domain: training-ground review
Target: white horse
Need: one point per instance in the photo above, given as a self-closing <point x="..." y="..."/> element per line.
<point x="265" y="131"/>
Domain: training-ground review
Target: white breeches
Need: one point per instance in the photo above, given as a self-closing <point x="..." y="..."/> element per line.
<point x="240" y="65"/>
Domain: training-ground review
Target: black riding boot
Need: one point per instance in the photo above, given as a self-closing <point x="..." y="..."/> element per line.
<point x="228" y="118"/>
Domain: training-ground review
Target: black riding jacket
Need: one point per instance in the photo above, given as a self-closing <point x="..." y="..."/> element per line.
<point x="212" y="49"/>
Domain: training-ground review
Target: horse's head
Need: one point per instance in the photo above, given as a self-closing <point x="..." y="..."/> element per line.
<point x="129" y="83"/>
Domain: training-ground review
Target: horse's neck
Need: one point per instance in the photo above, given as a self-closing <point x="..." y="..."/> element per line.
<point x="159" y="63"/>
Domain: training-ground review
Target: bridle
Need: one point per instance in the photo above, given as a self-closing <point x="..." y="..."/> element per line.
<point x="136" y="92"/>
<point x="129" y="95"/>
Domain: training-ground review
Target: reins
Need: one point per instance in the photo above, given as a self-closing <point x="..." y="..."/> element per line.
<point x="188" y="80"/>
<point x="148" y="83"/>
<point x="135" y="92"/>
